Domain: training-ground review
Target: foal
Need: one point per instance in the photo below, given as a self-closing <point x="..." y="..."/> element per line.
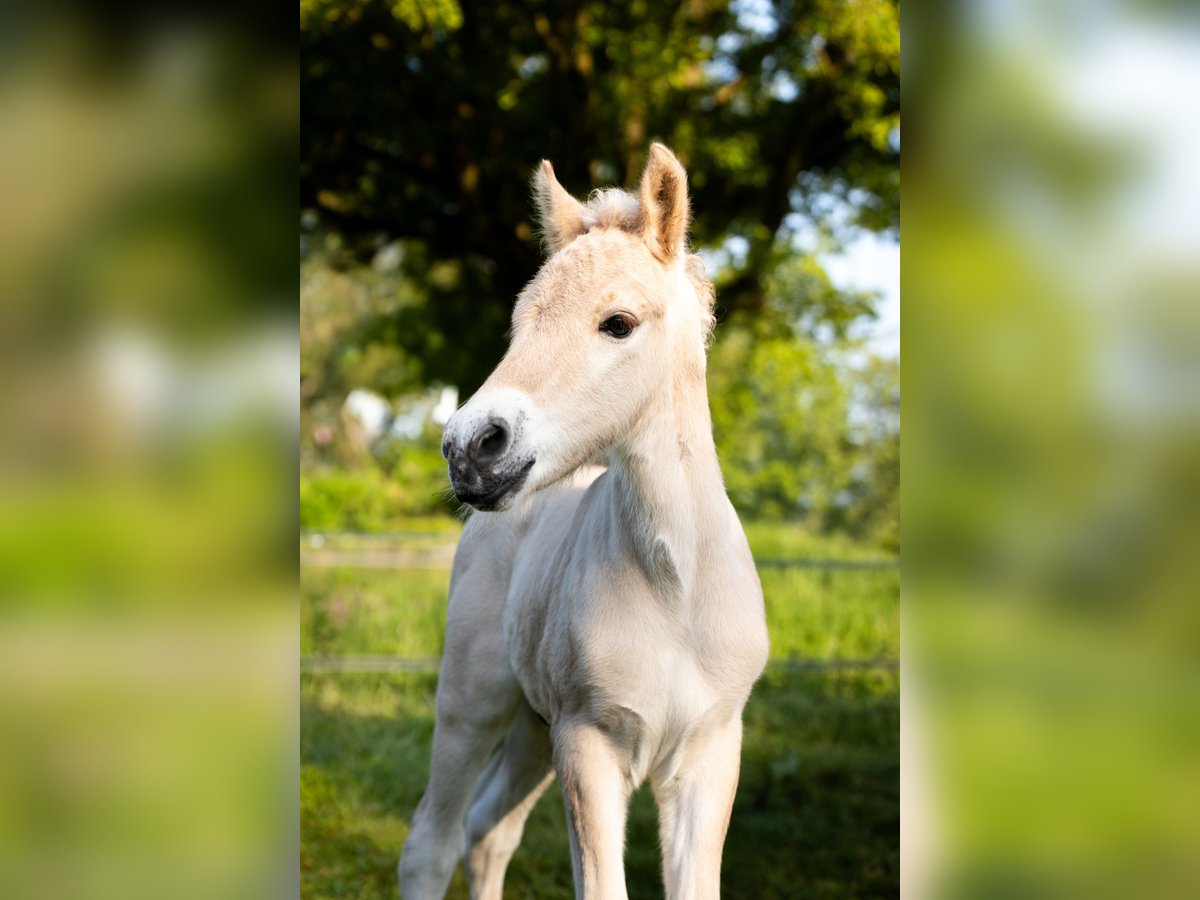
<point x="605" y="625"/>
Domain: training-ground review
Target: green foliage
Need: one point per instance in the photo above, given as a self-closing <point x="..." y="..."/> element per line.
<point x="778" y="418"/>
<point x="801" y="434"/>
<point x="421" y="122"/>
<point x="784" y="418"/>
<point x="416" y="240"/>
<point x="368" y="499"/>
<point x="873" y="494"/>
<point x="341" y="314"/>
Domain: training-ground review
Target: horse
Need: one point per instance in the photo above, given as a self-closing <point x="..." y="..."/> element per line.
<point x="606" y="622"/>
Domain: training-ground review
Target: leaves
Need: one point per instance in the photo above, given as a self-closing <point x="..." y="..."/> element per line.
<point x="422" y="120"/>
<point x="801" y="434"/>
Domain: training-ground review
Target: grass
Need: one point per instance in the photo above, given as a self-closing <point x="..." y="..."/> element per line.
<point x="816" y="815"/>
<point x="817" y="810"/>
<point x="818" y="614"/>
<point x="777" y="540"/>
<point x="813" y="614"/>
<point x="347" y="611"/>
<point x="826" y="615"/>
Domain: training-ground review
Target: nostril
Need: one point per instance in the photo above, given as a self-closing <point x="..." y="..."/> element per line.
<point x="490" y="443"/>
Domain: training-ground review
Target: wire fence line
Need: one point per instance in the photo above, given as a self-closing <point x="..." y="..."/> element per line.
<point x="378" y="551"/>
<point x="875" y="565"/>
<point x="442" y="557"/>
<point x="431" y="664"/>
<point x="439" y="558"/>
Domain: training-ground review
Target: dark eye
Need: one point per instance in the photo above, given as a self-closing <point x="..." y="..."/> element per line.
<point x="617" y="326"/>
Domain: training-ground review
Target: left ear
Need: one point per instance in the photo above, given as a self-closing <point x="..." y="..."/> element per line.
<point x="665" y="203"/>
<point x="560" y="214"/>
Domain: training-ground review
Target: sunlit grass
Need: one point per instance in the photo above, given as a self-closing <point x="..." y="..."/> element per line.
<point x="817" y="810"/>
<point x="785" y="540"/>
<point x="811" y="613"/>
<point x="816" y="815"/>
<point x="373" y="611"/>
<point x="832" y="614"/>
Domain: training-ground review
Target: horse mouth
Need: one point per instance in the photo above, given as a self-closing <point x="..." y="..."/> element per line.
<point x="491" y="491"/>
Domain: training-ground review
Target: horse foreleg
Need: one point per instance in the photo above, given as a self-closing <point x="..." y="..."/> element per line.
<point x="596" y="792"/>
<point x="694" y="805"/>
<point x="476" y="700"/>
<point x="438" y="836"/>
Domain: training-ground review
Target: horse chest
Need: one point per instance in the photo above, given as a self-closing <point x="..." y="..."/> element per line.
<point x="611" y="648"/>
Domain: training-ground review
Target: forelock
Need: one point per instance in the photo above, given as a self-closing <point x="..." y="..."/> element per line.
<point x="613" y="208"/>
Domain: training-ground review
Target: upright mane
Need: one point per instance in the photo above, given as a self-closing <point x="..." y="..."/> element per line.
<point x="613" y="208"/>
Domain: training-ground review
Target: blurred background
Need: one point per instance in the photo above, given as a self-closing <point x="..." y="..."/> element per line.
<point x="151" y="417"/>
<point x="147" y="452"/>
<point x="421" y="125"/>
<point x="1051" y="312"/>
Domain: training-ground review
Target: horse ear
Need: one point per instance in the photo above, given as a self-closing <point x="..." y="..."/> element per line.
<point x="559" y="214"/>
<point x="665" y="202"/>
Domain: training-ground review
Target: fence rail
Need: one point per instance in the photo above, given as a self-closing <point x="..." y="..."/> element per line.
<point x="440" y="558"/>
<point x="438" y="553"/>
<point x="376" y="663"/>
<point x="379" y="551"/>
<point x="443" y="557"/>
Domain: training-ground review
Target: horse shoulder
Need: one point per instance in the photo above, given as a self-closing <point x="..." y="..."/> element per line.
<point x="534" y="621"/>
<point x="729" y="628"/>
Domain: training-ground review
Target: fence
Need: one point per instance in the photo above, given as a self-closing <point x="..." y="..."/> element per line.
<point x="441" y="554"/>
<point x="434" y="551"/>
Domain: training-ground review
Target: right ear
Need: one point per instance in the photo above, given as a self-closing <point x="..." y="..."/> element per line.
<point x="559" y="214"/>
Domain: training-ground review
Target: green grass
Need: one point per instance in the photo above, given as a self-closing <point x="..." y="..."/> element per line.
<point x="816" y="815"/>
<point x="817" y="810"/>
<point x="830" y="614"/>
<point x="813" y="614"/>
<point x="779" y="540"/>
<point x="349" y="611"/>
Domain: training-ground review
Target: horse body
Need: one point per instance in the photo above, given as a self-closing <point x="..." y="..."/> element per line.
<point x="595" y="632"/>
<point x="605" y="625"/>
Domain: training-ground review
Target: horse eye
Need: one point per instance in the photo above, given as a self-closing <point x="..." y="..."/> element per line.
<point x="617" y="326"/>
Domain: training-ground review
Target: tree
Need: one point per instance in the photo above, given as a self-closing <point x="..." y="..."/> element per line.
<point x="801" y="433"/>
<point x="423" y="120"/>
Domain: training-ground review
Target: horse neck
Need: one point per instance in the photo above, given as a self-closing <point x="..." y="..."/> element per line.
<point x="668" y="498"/>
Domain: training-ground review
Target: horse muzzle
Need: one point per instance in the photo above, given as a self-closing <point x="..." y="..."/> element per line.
<point x="486" y="467"/>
